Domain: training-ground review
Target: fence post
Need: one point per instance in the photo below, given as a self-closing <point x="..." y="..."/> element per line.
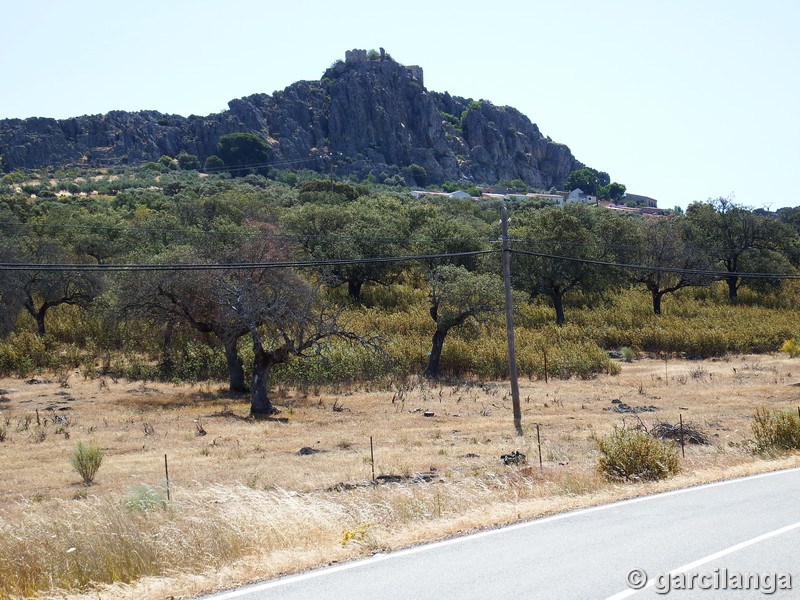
<point x="544" y="352"/>
<point x="372" y="458"/>
<point x="166" y="475"/>
<point x="539" y="443"/>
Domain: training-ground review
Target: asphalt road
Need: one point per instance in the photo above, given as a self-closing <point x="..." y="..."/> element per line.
<point x="733" y="534"/>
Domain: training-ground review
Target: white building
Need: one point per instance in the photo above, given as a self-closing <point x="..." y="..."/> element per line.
<point x="578" y="195"/>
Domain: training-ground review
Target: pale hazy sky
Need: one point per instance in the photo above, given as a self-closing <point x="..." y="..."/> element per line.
<point x="681" y="100"/>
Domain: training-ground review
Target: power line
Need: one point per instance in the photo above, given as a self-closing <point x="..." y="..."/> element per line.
<point x="65" y="267"/>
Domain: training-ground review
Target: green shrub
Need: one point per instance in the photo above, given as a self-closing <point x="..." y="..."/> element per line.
<point x="139" y="370"/>
<point x="192" y="362"/>
<point x="213" y="163"/>
<point x="776" y="430"/>
<point x="455" y="122"/>
<point x="474" y="191"/>
<point x="239" y="151"/>
<point x="417" y="173"/>
<point x="142" y="498"/>
<point x="86" y="459"/>
<point x="632" y="455"/>
<point x="14" y="177"/>
<point x="168" y="162"/>
<point x="23" y="353"/>
<point x="628" y="353"/>
<point x="188" y="162"/>
<point x="791" y="347"/>
<point x="287" y="177"/>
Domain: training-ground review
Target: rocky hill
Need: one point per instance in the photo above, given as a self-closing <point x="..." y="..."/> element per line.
<point x="367" y="115"/>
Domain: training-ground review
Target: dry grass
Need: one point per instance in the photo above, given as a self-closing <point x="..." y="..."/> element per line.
<point x="245" y="506"/>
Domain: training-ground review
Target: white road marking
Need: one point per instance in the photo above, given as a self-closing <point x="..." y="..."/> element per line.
<point x="250" y="589"/>
<point x="707" y="559"/>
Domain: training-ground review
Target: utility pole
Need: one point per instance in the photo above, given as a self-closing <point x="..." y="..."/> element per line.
<point x="512" y="355"/>
<point x="330" y="169"/>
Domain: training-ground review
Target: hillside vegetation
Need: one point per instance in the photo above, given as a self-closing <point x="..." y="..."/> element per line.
<point x="316" y="404"/>
<point x="159" y="274"/>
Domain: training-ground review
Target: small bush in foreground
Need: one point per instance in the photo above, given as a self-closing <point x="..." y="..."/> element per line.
<point x="143" y="498"/>
<point x="776" y="430"/>
<point x="86" y="459"/>
<point x="632" y="455"/>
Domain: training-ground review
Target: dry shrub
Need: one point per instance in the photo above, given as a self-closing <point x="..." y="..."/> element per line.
<point x="632" y="455"/>
<point x="579" y="483"/>
<point x="690" y="433"/>
<point x="776" y="430"/>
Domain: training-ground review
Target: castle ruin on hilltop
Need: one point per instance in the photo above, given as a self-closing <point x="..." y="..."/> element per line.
<point x="357" y="56"/>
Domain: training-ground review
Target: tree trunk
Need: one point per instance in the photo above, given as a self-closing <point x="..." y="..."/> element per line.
<point x="656" y="301"/>
<point x="354" y="290"/>
<point x="234" y="366"/>
<point x="434" y="358"/>
<point x="558" y="304"/>
<point x="263" y="361"/>
<point x="732" y="287"/>
<point x="167" y="341"/>
<point x="260" y="404"/>
<point x="39" y="316"/>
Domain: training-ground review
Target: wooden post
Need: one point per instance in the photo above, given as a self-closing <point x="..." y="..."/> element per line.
<point x="372" y="458"/>
<point x="683" y="446"/>
<point x="512" y="356"/>
<point x="544" y="352"/>
<point x="166" y="475"/>
<point x="539" y="443"/>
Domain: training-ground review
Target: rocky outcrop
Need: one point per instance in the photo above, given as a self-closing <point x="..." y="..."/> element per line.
<point x="368" y="115"/>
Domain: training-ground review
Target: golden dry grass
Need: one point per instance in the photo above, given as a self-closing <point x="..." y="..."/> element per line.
<point x="246" y="506"/>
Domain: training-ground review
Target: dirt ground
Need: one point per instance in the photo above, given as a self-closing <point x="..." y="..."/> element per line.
<point x="208" y="439"/>
<point x="324" y="443"/>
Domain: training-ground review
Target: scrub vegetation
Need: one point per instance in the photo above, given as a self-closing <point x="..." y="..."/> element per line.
<point x="265" y="396"/>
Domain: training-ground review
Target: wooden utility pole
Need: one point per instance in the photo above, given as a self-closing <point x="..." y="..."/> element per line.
<point x="512" y="355"/>
<point x="330" y="169"/>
